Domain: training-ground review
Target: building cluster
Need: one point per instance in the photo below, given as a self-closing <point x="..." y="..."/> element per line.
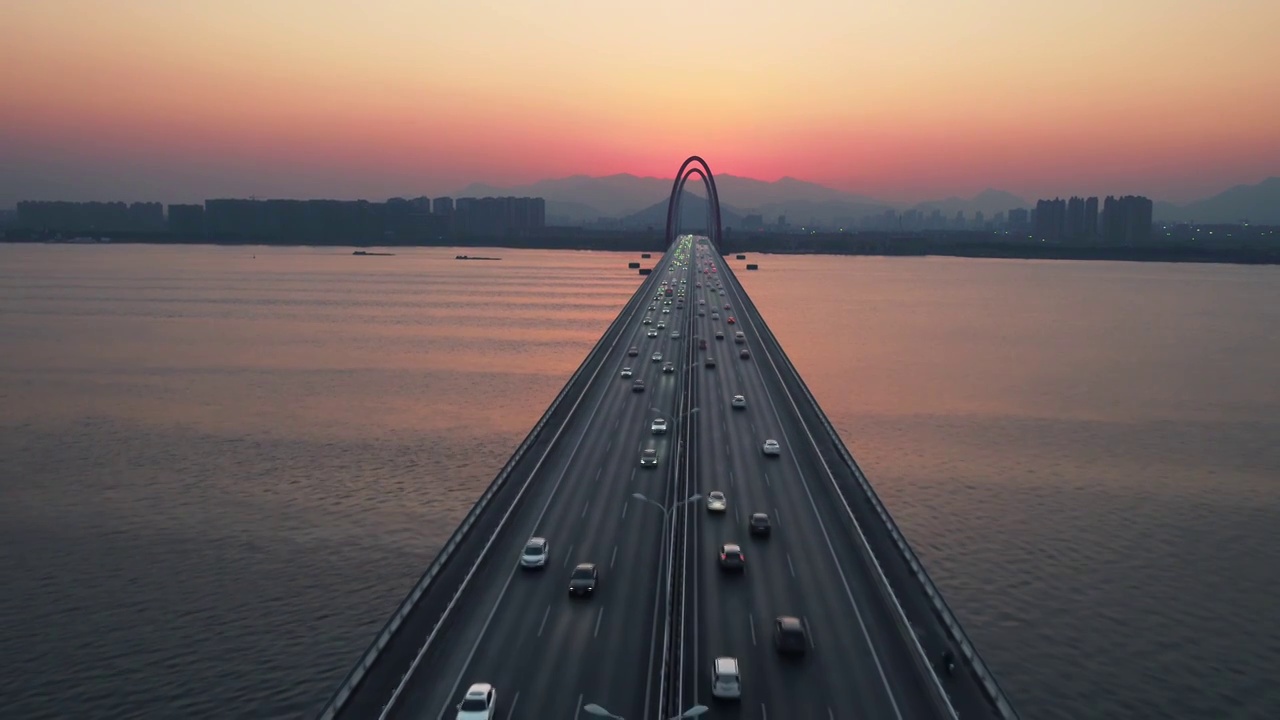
<point x="396" y="221"/>
<point x="1122" y="221"/>
<point x="90" y="217"/>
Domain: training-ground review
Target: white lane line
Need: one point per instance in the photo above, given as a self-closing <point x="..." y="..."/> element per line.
<point x="511" y="709"/>
<point x="764" y="715"/>
<point x="624" y="510"/>
<point x="598" y="619"/>
<point x="737" y="517"/>
<point x="577" y="708"/>
<point x="633" y="474"/>
<point x="766" y="480"/>
<point x="775" y="516"/>
<point x="753" y="428"/>
<point x="830" y="714"/>
<point x="545" y="613"/>
<point x="613" y="559"/>
<point x="598" y="471"/>
<point x="813" y="505"/>
<point x="608" y="447"/>
<point x="751" y="623"/>
<point x="793" y="567"/>
<point x="568" y="555"/>
<point x="584" y="508"/>
<point x="730" y="478"/>
<point x="809" y="631"/>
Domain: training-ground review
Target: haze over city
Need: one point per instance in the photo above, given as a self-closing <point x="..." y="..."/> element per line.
<point x="908" y="101"/>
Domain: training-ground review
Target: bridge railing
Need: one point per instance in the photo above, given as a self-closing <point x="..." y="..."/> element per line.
<point x="371" y="654"/>
<point x="989" y="684"/>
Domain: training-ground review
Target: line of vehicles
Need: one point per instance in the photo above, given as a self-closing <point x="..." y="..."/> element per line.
<point x="790" y="634"/>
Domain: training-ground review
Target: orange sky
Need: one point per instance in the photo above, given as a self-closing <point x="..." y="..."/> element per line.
<point x="904" y="100"/>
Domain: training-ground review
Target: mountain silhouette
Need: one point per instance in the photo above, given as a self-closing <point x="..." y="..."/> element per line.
<point x="1257" y="204"/>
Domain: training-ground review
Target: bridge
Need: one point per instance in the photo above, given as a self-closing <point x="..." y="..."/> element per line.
<point x="873" y="630"/>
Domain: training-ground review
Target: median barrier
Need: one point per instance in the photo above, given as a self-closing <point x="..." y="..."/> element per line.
<point x="371" y="654"/>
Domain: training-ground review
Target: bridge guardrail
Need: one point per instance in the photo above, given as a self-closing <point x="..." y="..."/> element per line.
<point x="357" y="673"/>
<point x="989" y="683"/>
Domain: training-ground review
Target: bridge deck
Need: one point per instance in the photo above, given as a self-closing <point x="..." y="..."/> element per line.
<point x="548" y="654"/>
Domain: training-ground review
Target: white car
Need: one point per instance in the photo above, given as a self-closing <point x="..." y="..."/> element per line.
<point x="716" y="502"/>
<point x="662" y="325"/>
<point x="675" y="334"/>
<point x="666" y="311"/>
<point x="535" y="553"/>
<point x="659" y="426"/>
<point x="653" y="333"/>
<point x="657" y="357"/>
<point x="739" y="402"/>
<point x="626" y="372"/>
<point x="478" y="703"/>
<point x="771" y="447"/>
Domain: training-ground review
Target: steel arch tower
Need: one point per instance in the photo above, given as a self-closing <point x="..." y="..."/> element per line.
<point x="701" y="169"/>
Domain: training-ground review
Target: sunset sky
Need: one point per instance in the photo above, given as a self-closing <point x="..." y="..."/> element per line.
<point x="180" y="100"/>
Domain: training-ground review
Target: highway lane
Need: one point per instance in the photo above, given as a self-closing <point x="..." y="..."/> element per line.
<point x="856" y="665"/>
<point x="963" y="689"/>
<point x="546" y="653"/>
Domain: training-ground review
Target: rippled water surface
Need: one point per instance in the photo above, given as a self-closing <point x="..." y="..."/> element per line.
<point x="222" y="468"/>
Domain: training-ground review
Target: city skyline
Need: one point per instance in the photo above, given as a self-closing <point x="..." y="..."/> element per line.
<point x="907" y="103"/>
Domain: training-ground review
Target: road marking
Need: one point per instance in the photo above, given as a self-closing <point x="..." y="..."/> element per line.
<point x="584" y="508"/>
<point x="614" y="559"/>
<point x="776" y="514"/>
<point x="633" y="474"/>
<point x="766" y="480"/>
<point x="753" y="428"/>
<point x="808" y="631"/>
<point x="607" y="447"/>
<point x="598" y="619"/>
<point x="577" y="708"/>
<point x="763" y="713"/>
<point x="793" y="567"/>
<point x="545" y="613"/>
<point x="598" y="471"/>
<point x="730" y="478"/>
<point x="751" y="623"/>
<point x="624" y="509"/>
<point x="511" y="710"/>
<point x="813" y="505"/>
<point x="831" y="714"/>
<point x="737" y="517"/>
<point x="569" y="554"/>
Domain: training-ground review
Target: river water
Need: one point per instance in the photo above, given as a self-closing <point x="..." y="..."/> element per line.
<point x="222" y="468"/>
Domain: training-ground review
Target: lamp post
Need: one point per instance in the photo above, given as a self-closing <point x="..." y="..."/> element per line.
<point x="594" y="709"/>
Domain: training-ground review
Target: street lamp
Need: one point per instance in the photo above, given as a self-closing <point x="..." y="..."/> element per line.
<point x="663" y="508"/>
<point x="594" y="709"/>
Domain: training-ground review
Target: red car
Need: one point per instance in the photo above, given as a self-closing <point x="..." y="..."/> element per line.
<point x="731" y="321"/>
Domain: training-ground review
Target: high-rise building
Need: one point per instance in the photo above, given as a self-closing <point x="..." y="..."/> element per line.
<point x="1074" y="225"/>
<point x="1126" y="220"/>
<point x="1051" y="218"/>
<point x="1019" y="220"/>
<point x="1091" y="219"/>
<point x="442" y="206"/>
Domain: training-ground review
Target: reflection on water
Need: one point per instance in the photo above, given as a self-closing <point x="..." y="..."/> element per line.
<point x="223" y="467"/>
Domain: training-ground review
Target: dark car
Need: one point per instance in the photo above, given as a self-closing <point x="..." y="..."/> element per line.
<point x="789" y="636"/>
<point x="702" y="344"/>
<point x="583" y="580"/>
<point x="637" y="386"/>
<point x="710" y="362"/>
<point x="633" y="352"/>
<point x="719" y="335"/>
<point x="668" y="367"/>
<point x="760" y="524"/>
<point x="732" y="558"/>
<point x="745" y="354"/>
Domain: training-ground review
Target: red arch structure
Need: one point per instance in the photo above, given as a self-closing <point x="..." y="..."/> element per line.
<point x="700" y="169"/>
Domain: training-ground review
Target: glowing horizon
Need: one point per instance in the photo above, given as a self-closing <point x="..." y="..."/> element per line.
<point x="139" y="100"/>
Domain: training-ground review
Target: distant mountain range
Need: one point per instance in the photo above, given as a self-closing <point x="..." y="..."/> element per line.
<point x="641" y="201"/>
